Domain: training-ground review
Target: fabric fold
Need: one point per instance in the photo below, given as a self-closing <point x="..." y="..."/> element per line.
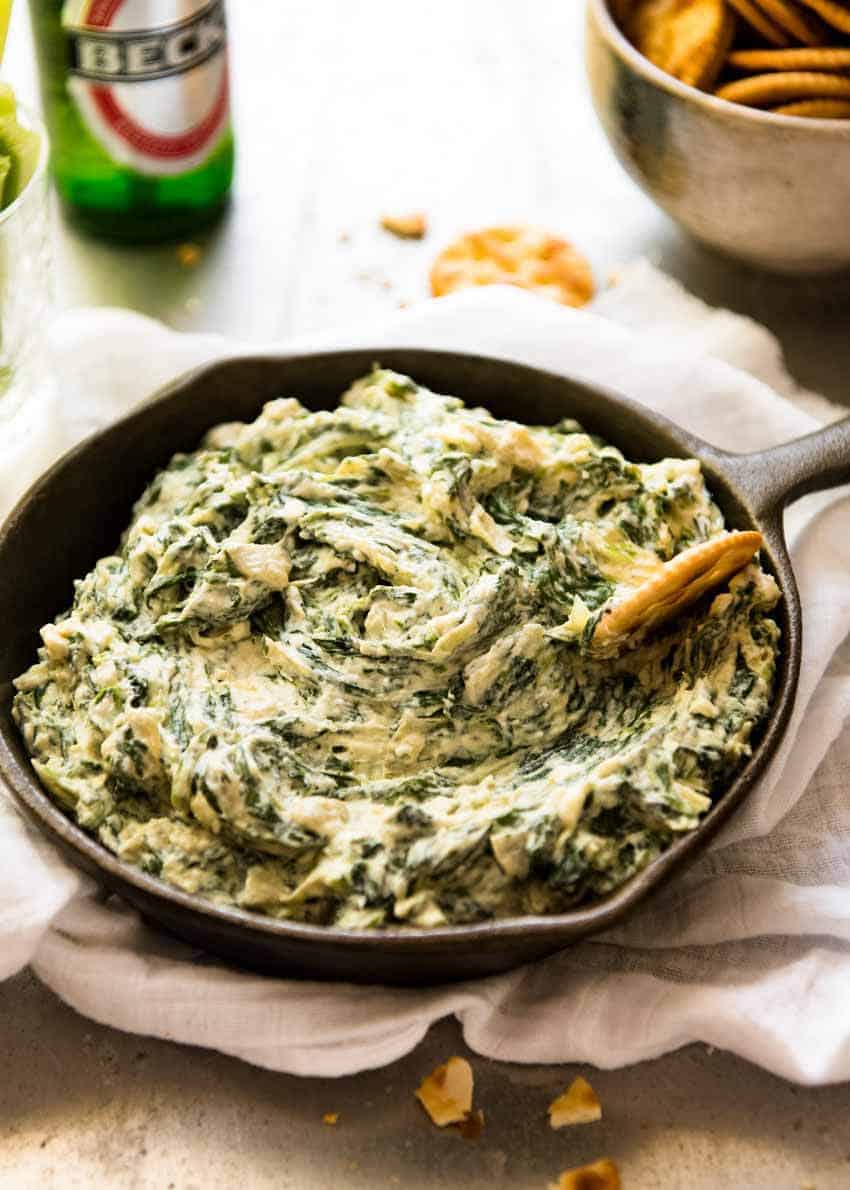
<point x="748" y="949"/>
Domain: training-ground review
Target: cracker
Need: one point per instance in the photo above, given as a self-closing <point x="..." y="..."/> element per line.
<point x="687" y="39"/>
<point x="794" y="20"/>
<point x="835" y="14"/>
<point x="523" y="256"/>
<point x="820" y="58"/>
<point x="765" y="90"/>
<point x="412" y="226"/>
<point x="703" y="72"/>
<point x="679" y="583"/>
<point x="577" y="1105"/>
<point x="754" y="17"/>
<point x="601" y="1175"/>
<point x="816" y="109"/>
<point x="446" y="1094"/>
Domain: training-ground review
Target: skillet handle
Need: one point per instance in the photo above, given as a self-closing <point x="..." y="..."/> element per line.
<point x="777" y="477"/>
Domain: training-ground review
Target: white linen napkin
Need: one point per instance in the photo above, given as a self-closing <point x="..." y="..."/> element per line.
<point x="748" y="950"/>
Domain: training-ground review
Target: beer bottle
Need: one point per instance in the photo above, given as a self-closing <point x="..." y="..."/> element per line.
<point x="136" y="103"/>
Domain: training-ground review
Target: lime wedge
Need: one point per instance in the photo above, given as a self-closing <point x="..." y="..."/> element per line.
<point x="20" y="146"/>
<point x="5" y="167"/>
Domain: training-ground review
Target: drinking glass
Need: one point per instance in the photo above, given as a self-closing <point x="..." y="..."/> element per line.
<point x="25" y="285"/>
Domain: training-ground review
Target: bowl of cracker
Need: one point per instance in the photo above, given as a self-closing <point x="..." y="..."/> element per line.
<point x="734" y="117"/>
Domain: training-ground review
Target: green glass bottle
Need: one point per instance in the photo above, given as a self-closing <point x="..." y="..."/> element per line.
<point x="137" y="106"/>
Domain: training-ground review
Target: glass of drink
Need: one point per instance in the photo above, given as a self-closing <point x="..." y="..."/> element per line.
<point x="30" y="428"/>
<point x="25" y="292"/>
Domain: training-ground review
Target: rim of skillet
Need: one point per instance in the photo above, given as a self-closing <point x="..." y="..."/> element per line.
<point x="733" y="112"/>
<point x="591" y="917"/>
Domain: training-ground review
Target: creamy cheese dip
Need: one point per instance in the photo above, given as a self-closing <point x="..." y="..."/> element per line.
<point x="340" y="667"/>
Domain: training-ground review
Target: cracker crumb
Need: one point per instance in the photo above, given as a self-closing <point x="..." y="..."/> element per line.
<point x="412" y="226"/>
<point x="374" y="278"/>
<point x="600" y="1175"/>
<point x="577" y="1105"/>
<point x="188" y="255"/>
<point x="330" y="1118"/>
<point x="446" y="1094"/>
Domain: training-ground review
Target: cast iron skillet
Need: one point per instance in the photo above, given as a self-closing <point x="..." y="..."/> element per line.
<point x="76" y="511"/>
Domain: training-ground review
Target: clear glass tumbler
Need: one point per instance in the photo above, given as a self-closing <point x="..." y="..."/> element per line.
<point x="25" y="284"/>
<point x="30" y="429"/>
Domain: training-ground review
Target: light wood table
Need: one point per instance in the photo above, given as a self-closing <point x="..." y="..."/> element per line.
<point x="474" y="111"/>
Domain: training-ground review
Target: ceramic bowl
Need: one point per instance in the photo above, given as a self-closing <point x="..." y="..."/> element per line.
<point x="771" y="191"/>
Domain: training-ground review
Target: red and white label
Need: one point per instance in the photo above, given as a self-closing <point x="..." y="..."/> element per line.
<point x="150" y="79"/>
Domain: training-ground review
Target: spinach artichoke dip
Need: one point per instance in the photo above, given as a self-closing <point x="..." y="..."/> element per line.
<point x="341" y="668"/>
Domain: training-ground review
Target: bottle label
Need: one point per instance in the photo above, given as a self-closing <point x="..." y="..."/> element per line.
<point x="149" y="78"/>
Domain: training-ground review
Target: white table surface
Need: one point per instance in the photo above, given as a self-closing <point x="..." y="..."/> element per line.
<point x="474" y="111"/>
